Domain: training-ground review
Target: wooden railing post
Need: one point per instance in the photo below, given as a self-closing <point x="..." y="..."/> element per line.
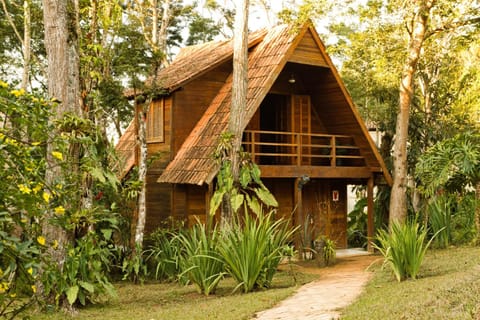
<point x="333" y="153"/>
<point x="299" y="149"/>
<point x="253" y="147"/>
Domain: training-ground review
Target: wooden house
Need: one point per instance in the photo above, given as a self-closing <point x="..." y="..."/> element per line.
<point x="303" y="131"/>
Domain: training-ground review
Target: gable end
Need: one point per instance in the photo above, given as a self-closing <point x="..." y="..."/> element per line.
<point x="308" y="52"/>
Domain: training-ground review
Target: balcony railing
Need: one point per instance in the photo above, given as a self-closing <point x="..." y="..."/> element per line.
<point x="290" y="148"/>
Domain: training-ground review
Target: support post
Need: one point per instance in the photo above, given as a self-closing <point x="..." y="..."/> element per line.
<point x="298" y="216"/>
<point x="370" y="214"/>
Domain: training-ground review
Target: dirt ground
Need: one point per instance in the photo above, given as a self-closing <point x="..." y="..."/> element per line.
<point x="337" y="287"/>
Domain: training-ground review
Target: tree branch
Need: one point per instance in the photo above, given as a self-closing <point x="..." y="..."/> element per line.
<point x="453" y="25"/>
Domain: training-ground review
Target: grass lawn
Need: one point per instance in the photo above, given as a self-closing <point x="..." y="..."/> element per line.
<point x="448" y="288"/>
<point x="156" y="301"/>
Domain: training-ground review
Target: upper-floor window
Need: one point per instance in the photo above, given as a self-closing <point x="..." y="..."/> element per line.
<point x="155" y="121"/>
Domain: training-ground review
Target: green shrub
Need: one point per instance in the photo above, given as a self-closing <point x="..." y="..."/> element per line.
<point x="325" y="252"/>
<point x="403" y="248"/>
<point x="252" y="249"/>
<point x="199" y="260"/>
<point x="84" y="275"/>
<point x="357" y="225"/>
<point x="463" y="221"/>
<point x="134" y="266"/>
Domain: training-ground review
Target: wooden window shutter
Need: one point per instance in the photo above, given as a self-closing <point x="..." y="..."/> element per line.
<point x="155" y="122"/>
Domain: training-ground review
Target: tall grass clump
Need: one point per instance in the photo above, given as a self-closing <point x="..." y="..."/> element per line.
<point x="403" y="248"/>
<point x="163" y="254"/>
<point x="439" y="213"/>
<point x="253" y="247"/>
<point x="199" y="259"/>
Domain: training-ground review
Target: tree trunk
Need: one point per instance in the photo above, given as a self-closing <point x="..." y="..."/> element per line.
<point x="26" y="43"/>
<point x="142" y="175"/>
<point x="158" y="36"/>
<point x="61" y="44"/>
<point x="398" y="200"/>
<point x="239" y="89"/>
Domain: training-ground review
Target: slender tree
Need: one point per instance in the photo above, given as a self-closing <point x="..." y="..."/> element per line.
<point x="398" y="199"/>
<point x="158" y="40"/>
<point x="239" y="99"/>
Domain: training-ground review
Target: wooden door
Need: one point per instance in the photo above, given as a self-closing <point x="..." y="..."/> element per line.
<point x="301" y="125"/>
<point x="337" y="213"/>
<point x="324" y="215"/>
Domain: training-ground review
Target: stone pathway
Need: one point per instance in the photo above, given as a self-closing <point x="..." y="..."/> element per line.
<point x="337" y="287"/>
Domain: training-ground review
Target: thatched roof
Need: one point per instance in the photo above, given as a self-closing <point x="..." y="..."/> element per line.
<point x="192" y="62"/>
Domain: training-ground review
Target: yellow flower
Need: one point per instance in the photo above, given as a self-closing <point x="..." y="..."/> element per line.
<point x="41" y="240"/>
<point x="24" y="220"/>
<point x="11" y="142"/>
<point x="18" y="93"/>
<point x="24" y="189"/>
<point x="3" y="84"/>
<point x="59" y="186"/>
<point x="37" y="188"/>
<point x="30" y="271"/>
<point x="13" y="295"/>
<point x="55" y="244"/>
<point x="60" y="210"/>
<point x="35" y="143"/>
<point x="3" y="287"/>
<point x="34" y="288"/>
<point x="46" y="196"/>
<point x="57" y="155"/>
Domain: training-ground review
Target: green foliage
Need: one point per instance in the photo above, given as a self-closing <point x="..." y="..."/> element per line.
<point x="134" y="266"/>
<point x="451" y="164"/>
<point x="85" y="273"/>
<point x="357" y="225"/>
<point x="463" y="221"/>
<point x="329" y="251"/>
<point x="252" y="249"/>
<point x="403" y="248"/>
<point x="27" y="200"/>
<point x="250" y="188"/>
<point x="325" y="251"/>
<point x="200" y="261"/>
<point x="24" y="132"/>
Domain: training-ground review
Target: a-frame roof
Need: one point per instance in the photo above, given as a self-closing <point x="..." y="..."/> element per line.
<point x="194" y="163"/>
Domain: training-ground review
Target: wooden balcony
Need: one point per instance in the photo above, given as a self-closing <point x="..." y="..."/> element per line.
<point x="290" y="154"/>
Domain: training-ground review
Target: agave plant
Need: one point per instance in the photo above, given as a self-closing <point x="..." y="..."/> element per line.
<point x="200" y="261"/>
<point x="403" y="248"/>
<point x="253" y="248"/>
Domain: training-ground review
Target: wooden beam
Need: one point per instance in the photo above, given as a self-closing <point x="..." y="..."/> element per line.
<point x="370" y="215"/>
<point x="269" y="171"/>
